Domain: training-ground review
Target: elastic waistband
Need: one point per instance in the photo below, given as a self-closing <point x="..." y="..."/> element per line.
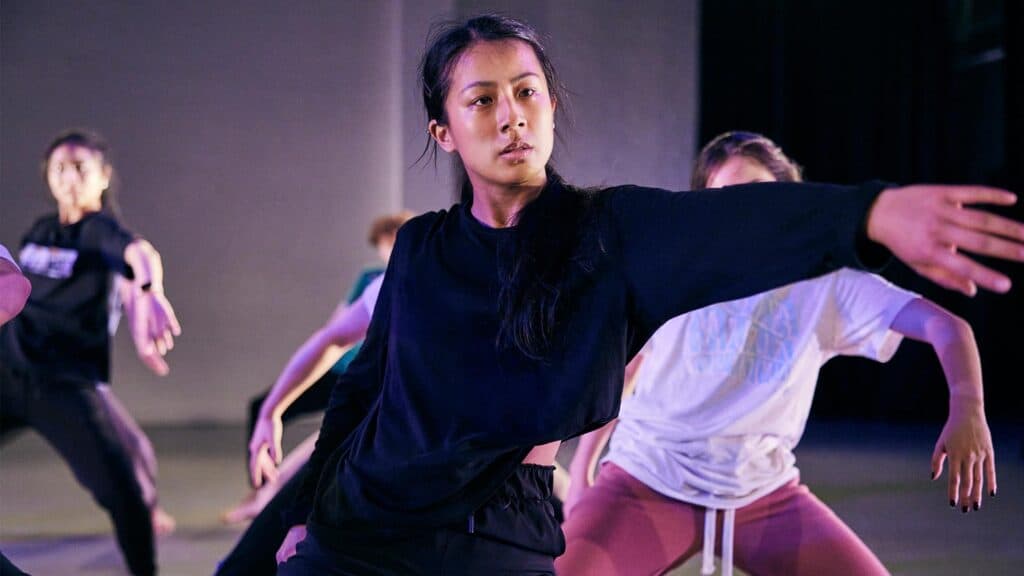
<point x="520" y="512"/>
<point x="528" y="482"/>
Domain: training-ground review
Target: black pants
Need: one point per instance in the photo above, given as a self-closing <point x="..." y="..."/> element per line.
<point x="74" y="419"/>
<point x="514" y="533"/>
<point x="256" y="551"/>
<point x="314" y="399"/>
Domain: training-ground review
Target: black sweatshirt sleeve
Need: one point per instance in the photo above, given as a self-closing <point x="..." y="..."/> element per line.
<point x="353" y="394"/>
<point x="684" y="250"/>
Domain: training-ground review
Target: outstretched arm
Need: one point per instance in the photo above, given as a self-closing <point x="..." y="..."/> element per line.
<point x="152" y="319"/>
<point x="311" y="361"/>
<point x="794" y="231"/>
<point x="965" y="439"/>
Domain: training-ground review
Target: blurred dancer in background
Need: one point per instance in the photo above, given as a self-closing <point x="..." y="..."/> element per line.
<point x="55" y="356"/>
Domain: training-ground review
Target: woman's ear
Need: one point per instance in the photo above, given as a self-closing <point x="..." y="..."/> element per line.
<point x="440" y="133"/>
<point x="108" y="173"/>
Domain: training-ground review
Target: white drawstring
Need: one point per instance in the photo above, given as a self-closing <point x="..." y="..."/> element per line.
<point x="728" y="528"/>
<point x="708" y="560"/>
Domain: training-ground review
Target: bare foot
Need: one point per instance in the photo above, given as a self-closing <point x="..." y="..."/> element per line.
<point x="248" y="508"/>
<point x="163" y="523"/>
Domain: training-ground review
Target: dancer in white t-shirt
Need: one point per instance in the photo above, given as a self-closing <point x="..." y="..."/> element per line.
<point x="720" y="401"/>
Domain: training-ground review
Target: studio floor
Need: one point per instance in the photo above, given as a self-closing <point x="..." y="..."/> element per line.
<point x="874" y="476"/>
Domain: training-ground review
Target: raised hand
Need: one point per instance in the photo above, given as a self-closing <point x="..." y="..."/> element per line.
<point x="929" y="227"/>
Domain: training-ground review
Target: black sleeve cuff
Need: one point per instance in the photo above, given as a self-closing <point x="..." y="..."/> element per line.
<point x="867" y="254"/>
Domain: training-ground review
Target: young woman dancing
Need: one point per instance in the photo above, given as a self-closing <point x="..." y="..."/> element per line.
<point x="503" y="325"/>
<point x="56" y="354"/>
<point x="254" y="553"/>
<point x="720" y="401"/>
<point x="305" y="384"/>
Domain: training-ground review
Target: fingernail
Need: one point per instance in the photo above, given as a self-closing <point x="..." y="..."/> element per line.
<point x="992" y="493"/>
<point x="964" y="509"/>
<point x="952" y="503"/>
<point x="977" y="506"/>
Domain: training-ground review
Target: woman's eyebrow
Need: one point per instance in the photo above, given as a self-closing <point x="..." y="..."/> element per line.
<point x="491" y="83"/>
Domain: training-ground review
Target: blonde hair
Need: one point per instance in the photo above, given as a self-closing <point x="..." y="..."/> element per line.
<point x="387" y="225"/>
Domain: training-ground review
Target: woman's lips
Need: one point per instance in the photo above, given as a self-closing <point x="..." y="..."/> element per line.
<point x="516" y="152"/>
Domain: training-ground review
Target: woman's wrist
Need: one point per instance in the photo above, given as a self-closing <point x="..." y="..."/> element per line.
<point x="148" y="287"/>
<point x="966" y="399"/>
<point x="270" y="410"/>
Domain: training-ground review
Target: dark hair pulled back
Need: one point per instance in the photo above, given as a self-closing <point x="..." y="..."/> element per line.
<point x="556" y="244"/>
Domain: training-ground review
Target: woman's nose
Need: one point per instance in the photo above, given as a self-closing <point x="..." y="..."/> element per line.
<point x="513" y="117"/>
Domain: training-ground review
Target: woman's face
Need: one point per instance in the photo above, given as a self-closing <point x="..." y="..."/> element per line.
<point x="739" y="170"/>
<point x="385" y="244"/>
<point x="500" y="115"/>
<point x="77" y="177"/>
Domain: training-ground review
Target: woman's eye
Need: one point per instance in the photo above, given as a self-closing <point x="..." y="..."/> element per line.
<point x="527" y="92"/>
<point x="481" y="101"/>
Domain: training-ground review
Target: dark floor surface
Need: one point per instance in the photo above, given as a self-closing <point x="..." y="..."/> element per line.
<point x="874" y="476"/>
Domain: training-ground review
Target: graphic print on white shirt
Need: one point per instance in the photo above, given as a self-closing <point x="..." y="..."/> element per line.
<point x="723" y="393"/>
<point x="750" y="340"/>
<point x="49" y="261"/>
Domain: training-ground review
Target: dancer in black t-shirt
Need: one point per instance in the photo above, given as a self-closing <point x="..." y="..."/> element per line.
<point x="56" y="354"/>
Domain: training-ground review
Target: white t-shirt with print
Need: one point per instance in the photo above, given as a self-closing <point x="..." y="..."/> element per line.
<point x="723" y="393"/>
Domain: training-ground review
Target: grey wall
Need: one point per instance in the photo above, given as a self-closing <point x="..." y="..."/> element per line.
<point x="254" y="141"/>
<point x="631" y="69"/>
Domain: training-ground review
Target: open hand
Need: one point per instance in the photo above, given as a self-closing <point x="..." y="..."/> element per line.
<point x="967" y="443"/>
<point x="928" y="227"/>
<point x="153" y="326"/>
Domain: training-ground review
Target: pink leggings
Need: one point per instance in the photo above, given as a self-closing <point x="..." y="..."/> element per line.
<point x="621" y="527"/>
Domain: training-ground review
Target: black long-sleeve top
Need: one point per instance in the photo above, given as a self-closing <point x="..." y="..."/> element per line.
<point x="433" y="416"/>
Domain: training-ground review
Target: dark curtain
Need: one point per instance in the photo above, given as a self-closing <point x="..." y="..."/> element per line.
<point x="925" y="91"/>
